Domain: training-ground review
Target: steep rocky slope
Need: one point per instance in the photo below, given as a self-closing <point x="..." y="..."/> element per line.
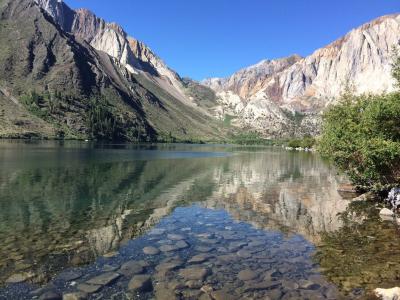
<point x="50" y="78"/>
<point x="70" y="74"/>
<point x="273" y="94"/>
<point x="110" y="38"/>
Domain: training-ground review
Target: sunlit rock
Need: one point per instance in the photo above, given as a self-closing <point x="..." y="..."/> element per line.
<point x="388" y="294"/>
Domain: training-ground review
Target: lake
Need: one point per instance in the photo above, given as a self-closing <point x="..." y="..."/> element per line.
<point x="103" y="221"/>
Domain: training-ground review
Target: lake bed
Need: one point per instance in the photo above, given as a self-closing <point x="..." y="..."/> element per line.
<point x="184" y="222"/>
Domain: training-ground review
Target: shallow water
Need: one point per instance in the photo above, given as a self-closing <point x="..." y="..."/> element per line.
<point x="219" y="222"/>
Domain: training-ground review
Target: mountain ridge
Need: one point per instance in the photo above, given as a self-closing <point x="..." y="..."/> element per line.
<point x="360" y="59"/>
<point x="59" y="79"/>
<point x="146" y="100"/>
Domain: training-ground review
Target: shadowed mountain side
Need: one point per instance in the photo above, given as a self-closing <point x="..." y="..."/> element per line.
<point x="61" y="81"/>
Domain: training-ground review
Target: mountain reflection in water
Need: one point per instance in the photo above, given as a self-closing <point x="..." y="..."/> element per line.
<point x="64" y="205"/>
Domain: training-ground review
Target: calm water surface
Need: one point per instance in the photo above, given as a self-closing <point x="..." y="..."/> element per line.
<point x="183" y="222"/>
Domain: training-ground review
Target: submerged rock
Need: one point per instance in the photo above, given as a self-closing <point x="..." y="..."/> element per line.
<point x="264" y="285"/>
<point x="140" y="283"/>
<point x="20" y="277"/>
<point x="131" y="267"/>
<point x="199" y="258"/>
<point x="104" y="279"/>
<point x="235" y="246"/>
<point x="175" y="237"/>
<point x="227" y="258"/>
<point x="194" y="273"/>
<point x="244" y="253"/>
<point x="308" y="285"/>
<point x="150" y="250"/>
<point x="89" y="288"/>
<point x="168" y="248"/>
<point x="157" y="231"/>
<point x="182" y="244"/>
<point x="111" y="254"/>
<point x="75" y="296"/>
<point x="221" y="295"/>
<point x="110" y="268"/>
<point x="171" y="265"/>
<point x="194" y="284"/>
<point x="247" y="275"/>
<point x="162" y="293"/>
<point x="204" y="249"/>
<point x="50" y="295"/>
<point x="69" y="276"/>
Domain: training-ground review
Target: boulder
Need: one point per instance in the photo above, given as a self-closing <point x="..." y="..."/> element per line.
<point x="386" y="212"/>
<point x="388" y="294"/>
<point x="394" y="198"/>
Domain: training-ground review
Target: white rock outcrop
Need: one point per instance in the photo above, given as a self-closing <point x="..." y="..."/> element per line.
<point x="388" y="294"/>
<point x="360" y="60"/>
<point x="110" y="38"/>
<point x="278" y="97"/>
<point x="386" y="212"/>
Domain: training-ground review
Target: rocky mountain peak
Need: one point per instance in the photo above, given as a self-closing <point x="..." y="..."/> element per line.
<point x="110" y="38"/>
<point x="246" y="81"/>
<point x="55" y="8"/>
<point x="268" y="96"/>
<point x="273" y="90"/>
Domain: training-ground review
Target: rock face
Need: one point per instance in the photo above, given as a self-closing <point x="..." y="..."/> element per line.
<point x="267" y="96"/>
<point x="249" y="80"/>
<point x="110" y="38"/>
<point x="77" y="53"/>
<point x="81" y="67"/>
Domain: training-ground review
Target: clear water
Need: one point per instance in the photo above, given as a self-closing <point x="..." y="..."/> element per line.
<point x="259" y="222"/>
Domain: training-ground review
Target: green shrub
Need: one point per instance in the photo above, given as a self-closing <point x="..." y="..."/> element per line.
<point x="250" y="138"/>
<point x="306" y="142"/>
<point x="362" y="136"/>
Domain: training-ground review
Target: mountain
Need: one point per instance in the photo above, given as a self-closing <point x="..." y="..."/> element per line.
<point x="70" y="74"/>
<point x="282" y="96"/>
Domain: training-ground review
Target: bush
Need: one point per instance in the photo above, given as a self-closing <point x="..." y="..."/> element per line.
<point x="250" y="138"/>
<point x="306" y="142"/>
<point x="362" y="136"/>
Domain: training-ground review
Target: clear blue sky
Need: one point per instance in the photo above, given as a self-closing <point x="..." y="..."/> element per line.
<point x="214" y="38"/>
